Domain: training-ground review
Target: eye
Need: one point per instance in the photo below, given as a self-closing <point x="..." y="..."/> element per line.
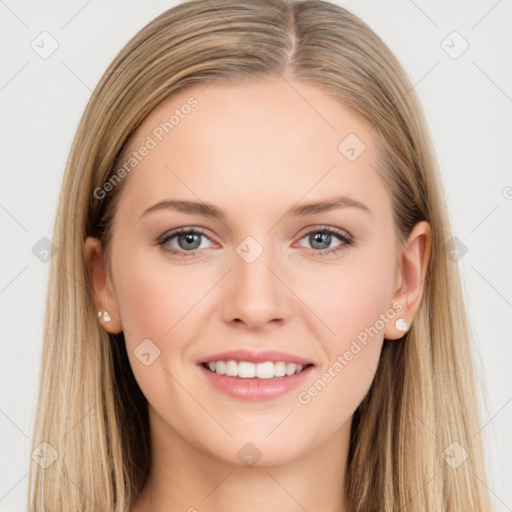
<point x="188" y="241"/>
<point x="321" y="238"/>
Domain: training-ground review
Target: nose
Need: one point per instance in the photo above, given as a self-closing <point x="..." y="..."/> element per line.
<point x="255" y="296"/>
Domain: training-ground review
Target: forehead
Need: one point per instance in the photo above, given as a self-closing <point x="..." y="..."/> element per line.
<point x="275" y="140"/>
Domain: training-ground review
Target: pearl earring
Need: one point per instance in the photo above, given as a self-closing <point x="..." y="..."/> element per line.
<point x="401" y="325"/>
<point x="104" y="314"/>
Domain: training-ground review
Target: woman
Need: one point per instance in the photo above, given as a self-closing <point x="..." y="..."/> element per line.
<point x="251" y="305"/>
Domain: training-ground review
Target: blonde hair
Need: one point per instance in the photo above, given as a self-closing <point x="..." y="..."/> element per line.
<point x="90" y="408"/>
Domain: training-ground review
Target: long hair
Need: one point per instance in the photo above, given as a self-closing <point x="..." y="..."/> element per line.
<point x="421" y="411"/>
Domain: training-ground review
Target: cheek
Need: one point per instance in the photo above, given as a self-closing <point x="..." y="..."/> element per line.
<point x="355" y="304"/>
<point x="348" y="298"/>
<point x="155" y="299"/>
<point x="159" y="302"/>
<point x="167" y="303"/>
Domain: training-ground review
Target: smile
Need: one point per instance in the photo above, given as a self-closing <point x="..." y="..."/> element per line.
<point x="248" y="370"/>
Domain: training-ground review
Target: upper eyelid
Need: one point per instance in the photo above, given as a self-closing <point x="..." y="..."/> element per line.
<point x="326" y="227"/>
<point x="184" y="230"/>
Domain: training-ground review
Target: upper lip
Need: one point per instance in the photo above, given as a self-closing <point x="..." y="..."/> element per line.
<point x="256" y="357"/>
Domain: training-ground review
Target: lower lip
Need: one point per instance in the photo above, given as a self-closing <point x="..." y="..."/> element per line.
<point x="255" y="389"/>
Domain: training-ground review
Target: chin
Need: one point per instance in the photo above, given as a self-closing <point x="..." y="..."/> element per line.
<point x="259" y="451"/>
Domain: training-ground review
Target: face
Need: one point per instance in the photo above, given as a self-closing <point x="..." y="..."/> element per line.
<point x="257" y="272"/>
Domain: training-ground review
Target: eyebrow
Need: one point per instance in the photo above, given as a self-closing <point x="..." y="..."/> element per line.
<point x="209" y="210"/>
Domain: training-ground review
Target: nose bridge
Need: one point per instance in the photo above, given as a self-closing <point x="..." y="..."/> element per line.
<point x="253" y="258"/>
<point x="256" y="294"/>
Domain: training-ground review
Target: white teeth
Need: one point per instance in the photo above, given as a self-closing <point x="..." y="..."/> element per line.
<point x="290" y="368"/>
<point x="265" y="370"/>
<point x="231" y="369"/>
<point x="247" y="370"/>
<point x="280" y="369"/>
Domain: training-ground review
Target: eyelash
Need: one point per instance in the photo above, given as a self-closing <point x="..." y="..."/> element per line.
<point x="346" y="239"/>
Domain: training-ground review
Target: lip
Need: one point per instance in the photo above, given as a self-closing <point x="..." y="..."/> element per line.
<point x="255" y="389"/>
<point x="256" y="357"/>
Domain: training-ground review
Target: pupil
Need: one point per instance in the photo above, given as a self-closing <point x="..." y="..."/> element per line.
<point x="321" y="238"/>
<point x="189" y="239"/>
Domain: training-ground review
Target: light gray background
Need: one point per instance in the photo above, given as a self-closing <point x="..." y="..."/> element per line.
<point x="468" y="104"/>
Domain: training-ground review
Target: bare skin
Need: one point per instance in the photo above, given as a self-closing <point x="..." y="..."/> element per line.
<point x="254" y="151"/>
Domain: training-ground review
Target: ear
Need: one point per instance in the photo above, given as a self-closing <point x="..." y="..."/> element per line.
<point x="410" y="277"/>
<point x="101" y="285"/>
